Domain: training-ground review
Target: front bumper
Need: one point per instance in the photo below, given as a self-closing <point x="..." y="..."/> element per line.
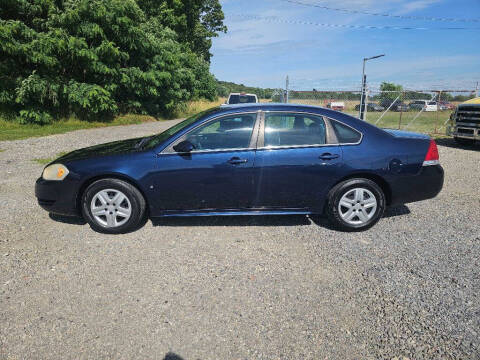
<point x="58" y="197"/>
<point x="464" y="132"/>
<point x="425" y="185"/>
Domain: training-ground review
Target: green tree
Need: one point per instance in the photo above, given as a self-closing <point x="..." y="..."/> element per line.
<point x="224" y="88"/>
<point x="97" y="58"/>
<point x="390" y="91"/>
<point x="195" y="21"/>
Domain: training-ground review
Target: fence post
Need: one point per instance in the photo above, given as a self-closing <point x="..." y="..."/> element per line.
<point x="438" y="110"/>
<point x="365" y="103"/>
<point x="401" y="98"/>
<point x="362" y="98"/>
<point x="286" y="90"/>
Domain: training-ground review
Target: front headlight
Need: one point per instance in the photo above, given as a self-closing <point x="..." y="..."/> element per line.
<point x="56" y="172"/>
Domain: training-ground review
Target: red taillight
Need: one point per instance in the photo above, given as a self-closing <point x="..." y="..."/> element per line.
<point x="432" y="157"/>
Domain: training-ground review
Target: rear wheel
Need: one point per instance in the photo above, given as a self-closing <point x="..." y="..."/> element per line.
<point x="113" y="206"/>
<point x="355" y="204"/>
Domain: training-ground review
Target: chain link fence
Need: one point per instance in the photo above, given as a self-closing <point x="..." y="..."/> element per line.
<point x="426" y="111"/>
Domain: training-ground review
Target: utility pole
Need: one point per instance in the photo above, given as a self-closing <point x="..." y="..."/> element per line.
<point x="364" y="87"/>
<point x="477" y="94"/>
<point x="286" y="90"/>
<point x="365" y="101"/>
<point x="362" y="97"/>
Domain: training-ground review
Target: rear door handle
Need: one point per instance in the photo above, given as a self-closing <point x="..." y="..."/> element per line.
<point x="236" y="160"/>
<point x="328" y="156"/>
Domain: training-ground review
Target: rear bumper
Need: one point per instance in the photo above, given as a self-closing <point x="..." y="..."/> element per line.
<point x="425" y="185"/>
<point x="58" y="197"/>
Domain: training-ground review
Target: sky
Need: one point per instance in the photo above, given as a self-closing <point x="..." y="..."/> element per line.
<point x="270" y="39"/>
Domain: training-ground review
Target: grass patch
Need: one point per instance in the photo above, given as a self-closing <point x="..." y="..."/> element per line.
<point x="45" y="161"/>
<point x="14" y="131"/>
<point x="2" y="150"/>
<point x="426" y="122"/>
<point x="194" y="107"/>
<point x="11" y="130"/>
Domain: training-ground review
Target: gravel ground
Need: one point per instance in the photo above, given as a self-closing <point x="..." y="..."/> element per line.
<point x="238" y="287"/>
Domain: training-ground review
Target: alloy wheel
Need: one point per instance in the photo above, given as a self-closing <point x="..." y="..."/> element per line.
<point x="110" y="208"/>
<point x="357" y="206"/>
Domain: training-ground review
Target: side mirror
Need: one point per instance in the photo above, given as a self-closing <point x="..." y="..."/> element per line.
<point x="184" y="147"/>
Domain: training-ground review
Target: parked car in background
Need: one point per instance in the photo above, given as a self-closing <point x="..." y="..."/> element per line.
<point x="336" y="105"/>
<point x="257" y="159"/>
<point x="371" y="107"/>
<point x="445" y="105"/>
<point x="394" y="106"/>
<point x="242" y="98"/>
<point x="424" y="105"/>
<point x="465" y="126"/>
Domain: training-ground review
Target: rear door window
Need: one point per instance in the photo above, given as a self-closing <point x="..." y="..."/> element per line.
<point x="290" y="129"/>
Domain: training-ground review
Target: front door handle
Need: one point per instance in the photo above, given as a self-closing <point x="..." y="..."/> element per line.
<point x="236" y="161"/>
<point x="328" y="156"/>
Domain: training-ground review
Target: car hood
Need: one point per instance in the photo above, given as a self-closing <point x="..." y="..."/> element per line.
<point x="406" y="134"/>
<point x="111" y="148"/>
<point x="472" y="101"/>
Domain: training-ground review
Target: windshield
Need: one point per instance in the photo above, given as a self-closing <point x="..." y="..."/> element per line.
<point x="158" y="139"/>
<point x="242" y="99"/>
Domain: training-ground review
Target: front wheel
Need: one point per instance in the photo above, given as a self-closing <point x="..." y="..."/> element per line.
<point x="355" y="204"/>
<point x="113" y="206"/>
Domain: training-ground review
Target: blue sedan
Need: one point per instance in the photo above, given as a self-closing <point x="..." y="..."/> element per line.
<point x="256" y="159"/>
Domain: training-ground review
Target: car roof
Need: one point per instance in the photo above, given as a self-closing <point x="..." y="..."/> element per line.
<point x="253" y="107"/>
<point x="271" y="105"/>
<point x="242" y="94"/>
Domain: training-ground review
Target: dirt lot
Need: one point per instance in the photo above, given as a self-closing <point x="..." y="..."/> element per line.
<point x="238" y="287"/>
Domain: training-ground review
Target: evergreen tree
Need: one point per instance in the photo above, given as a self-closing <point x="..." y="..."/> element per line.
<point x="98" y="58"/>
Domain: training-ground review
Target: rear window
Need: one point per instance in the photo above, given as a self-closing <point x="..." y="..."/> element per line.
<point x="242" y="99"/>
<point x="345" y="134"/>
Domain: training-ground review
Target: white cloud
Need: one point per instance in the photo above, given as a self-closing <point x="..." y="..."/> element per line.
<point x="262" y="53"/>
<point x="411" y="6"/>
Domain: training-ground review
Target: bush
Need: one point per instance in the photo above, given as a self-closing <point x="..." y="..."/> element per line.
<point x="97" y="58"/>
<point x="34" y="117"/>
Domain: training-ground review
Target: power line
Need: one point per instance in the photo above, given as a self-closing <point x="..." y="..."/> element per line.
<point x="345" y="26"/>
<point x="361" y="12"/>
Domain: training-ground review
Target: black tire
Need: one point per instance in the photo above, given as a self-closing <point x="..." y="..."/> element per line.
<point x="462" y="141"/>
<point x="136" y="202"/>
<point x="339" y="190"/>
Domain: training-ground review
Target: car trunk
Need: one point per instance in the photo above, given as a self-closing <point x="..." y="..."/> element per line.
<point x="415" y="145"/>
<point x="407" y="134"/>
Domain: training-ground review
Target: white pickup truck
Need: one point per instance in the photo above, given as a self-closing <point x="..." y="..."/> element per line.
<point x="241" y="98"/>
